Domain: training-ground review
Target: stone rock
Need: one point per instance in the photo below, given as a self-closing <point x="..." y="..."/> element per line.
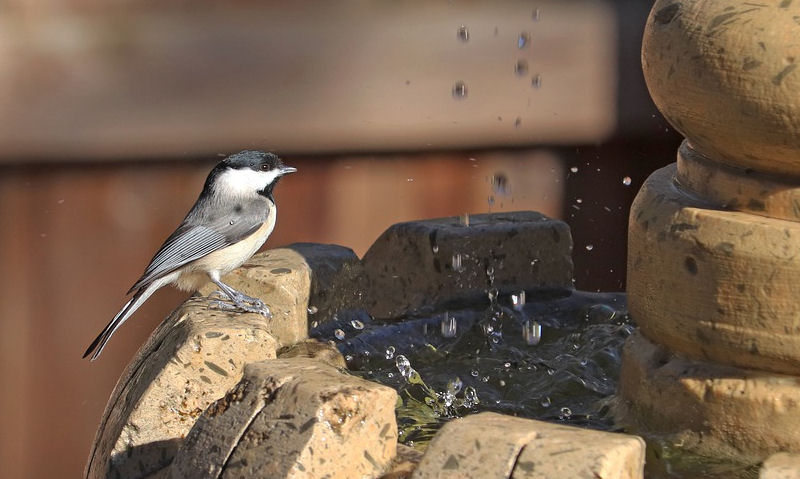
<point x="490" y="445"/>
<point x="311" y="348"/>
<point x="404" y="463"/>
<point x="281" y="278"/>
<point x="293" y="418"/>
<point x="740" y="413"/>
<point x="782" y="465"/>
<point x="337" y="278"/>
<point x="711" y="283"/>
<point x="192" y="359"/>
<point x="424" y="263"/>
<point x="724" y="74"/>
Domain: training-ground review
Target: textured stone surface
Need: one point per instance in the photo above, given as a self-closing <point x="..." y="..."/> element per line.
<point x="711" y="283"/>
<point x="781" y="466"/>
<point x="191" y="359"/>
<point x="337" y="278"/>
<point x="293" y="418"/>
<point x="490" y="445"/>
<point x="311" y="348"/>
<point x="724" y="74"/>
<point x="421" y="263"/>
<point x="281" y="278"/>
<point x="746" y="414"/>
<point x="738" y="189"/>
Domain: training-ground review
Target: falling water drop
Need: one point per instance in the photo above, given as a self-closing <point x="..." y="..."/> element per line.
<point x="459" y="90"/>
<point x="589" y="247"/>
<point x="523" y="39"/>
<point x="448" y="326"/>
<point x="390" y="352"/>
<point x="531" y="332"/>
<point x="521" y="68"/>
<point x="339" y="334"/>
<point x="536" y="81"/>
<point x="462" y="33"/>
<point x="537" y="15"/>
<point x="626" y="181"/>
<point x="500" y="183"/>
<point x="574" y="169"/>
<point x="456" y="263"/>
<point x="518" y="300"/>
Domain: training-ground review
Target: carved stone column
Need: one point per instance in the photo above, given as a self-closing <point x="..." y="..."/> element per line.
<point x="714" y="239"/>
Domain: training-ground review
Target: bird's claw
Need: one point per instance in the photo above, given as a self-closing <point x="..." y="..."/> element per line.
<point x="245" y="304"/>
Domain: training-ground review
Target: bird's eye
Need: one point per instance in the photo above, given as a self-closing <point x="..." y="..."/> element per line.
<point x="264" y="167"/>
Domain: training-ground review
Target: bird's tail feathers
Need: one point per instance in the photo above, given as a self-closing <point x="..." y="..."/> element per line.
<point x="130" y="307"/>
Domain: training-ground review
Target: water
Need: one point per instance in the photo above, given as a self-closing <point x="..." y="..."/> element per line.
<point x="551" y="355"/>
<point x="459" y="90"/>
<point x="521" y="68"/>
<point x="462" y="33"/>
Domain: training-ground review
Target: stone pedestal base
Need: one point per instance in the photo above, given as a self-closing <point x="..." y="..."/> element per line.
<point x="726" y="411"/>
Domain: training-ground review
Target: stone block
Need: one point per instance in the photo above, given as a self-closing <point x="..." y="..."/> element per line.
<point x="281" y="278"/>
<point x="312" y="348"/>
<point x="191" y="359"/>
<point x="782" y="465"/>
<point x="293" y="418"/>
<point x="490" y="445"/>
<point x="742" y="413"/>
<point x="337" y="278"/>
<point x="424" y="263"/>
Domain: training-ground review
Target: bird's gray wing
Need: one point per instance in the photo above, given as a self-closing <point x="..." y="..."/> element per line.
<point x="193" y="241"/>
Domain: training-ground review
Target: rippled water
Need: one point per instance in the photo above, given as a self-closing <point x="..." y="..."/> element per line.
<point x="482" y="358"/>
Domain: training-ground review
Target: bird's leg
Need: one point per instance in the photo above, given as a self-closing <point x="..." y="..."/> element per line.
<point x="240" y="300"/>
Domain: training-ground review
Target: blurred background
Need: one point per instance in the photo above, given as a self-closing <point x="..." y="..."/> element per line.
<point x="112" y="114"/>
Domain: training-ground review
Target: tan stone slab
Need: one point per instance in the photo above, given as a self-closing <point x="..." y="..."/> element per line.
<point x="483" y="445"/>
<point x="723" y="73"/>
<point x="281" y="278"/>
<point x="570" y="452"/>
<point x="191" y="359"/>
<point x="293" y="418"/>
<point x="746" y="414"/>
<point x="712" y="283"/>
<point x="782" y="465"/>
<point x="312" y="348"/>
<point x="490" y="445"/>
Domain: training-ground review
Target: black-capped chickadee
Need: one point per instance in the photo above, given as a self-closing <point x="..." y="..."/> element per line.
<point x="228" y="223"/>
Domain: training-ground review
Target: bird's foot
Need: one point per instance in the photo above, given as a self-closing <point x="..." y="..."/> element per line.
<point x="239" y="302"/>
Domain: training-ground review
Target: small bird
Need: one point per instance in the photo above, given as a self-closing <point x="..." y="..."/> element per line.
<point x="228" y="223"/>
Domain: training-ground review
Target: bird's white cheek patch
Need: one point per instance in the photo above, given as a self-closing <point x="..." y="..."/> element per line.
<point x="244" y="182"/>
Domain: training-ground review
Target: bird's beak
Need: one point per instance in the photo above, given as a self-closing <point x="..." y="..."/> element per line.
<point x="287" y="169"/>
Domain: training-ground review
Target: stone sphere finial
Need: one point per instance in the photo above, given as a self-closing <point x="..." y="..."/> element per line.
<point x="724" y="73"/>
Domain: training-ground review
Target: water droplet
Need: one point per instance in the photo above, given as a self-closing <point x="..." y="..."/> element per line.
<point x="403" y="365"/>
<point x="500" y="183"/>
<point x="545" y="402"/>
<point x="531" y="332"/>
<point x="410" y="180"/>
<point x="462" y="33"/>
<point x="312" y="310"/>
<point x="492" y="293"/>
<point x="536" y="81"/>
<point x="356" y="324"/>
<point x="464" y="219"/>
<point x="565" y="413"/>
<point x="626" y="181"/>
<point x="523" y="39"/>
<point x="448" y="326"/>
<point x="61" y="201"/>
<point x="521" y="68"/>
<point x="589" y="247"/>
<point x="470" y="397"/>
<point x="390" y="352"/>
<point x="231" y="222"/>
<point x="474" y="373"/>
<point x="578" y="200"/>
<point x="435" y="248"/>
<point x="456" y="263"/>
<point x="537" y="15"/>
<point x="339" y="334"/>
<point x="459" y="90"/>
<point x="517" y="122"/>
<point x="574" y="169"/>
<point x="518" y="301"/>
